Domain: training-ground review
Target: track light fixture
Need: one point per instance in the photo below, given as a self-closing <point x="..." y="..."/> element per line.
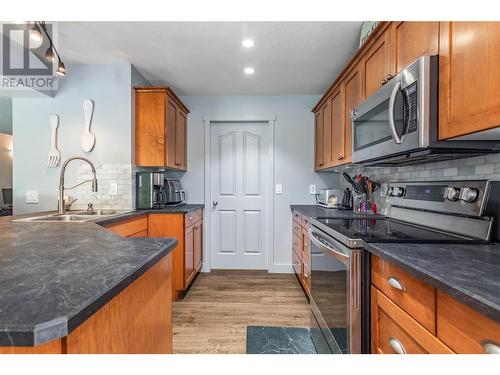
<point x="35" y="33"/>
<point x="51" y="54"/>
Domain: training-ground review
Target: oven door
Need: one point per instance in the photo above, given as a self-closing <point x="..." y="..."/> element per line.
<point x="395" y="119"/>
<point x="335" y="295"/>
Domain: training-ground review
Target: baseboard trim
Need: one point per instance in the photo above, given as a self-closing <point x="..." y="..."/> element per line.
<point x="281" y="268"/>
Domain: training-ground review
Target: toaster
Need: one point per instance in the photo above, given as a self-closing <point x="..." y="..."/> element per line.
<point x="329" y="198"/>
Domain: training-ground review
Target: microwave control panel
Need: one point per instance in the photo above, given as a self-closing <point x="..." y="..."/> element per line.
<point x="410" y="92"/>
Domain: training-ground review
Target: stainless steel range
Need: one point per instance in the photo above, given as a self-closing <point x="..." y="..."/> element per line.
<point x="418" y="212"/>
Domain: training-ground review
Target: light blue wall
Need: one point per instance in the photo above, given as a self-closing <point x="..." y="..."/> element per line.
<point x="6" y="115"/>
<point x="109" y="86"/>
<point x="293" y="150"/>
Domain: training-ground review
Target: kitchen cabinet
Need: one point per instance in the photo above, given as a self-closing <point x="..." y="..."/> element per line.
<point x="327" y="140"/>
<point x="134" y="227"/>
<point x="376" y="64"/>
<point x="338" y="127"/>
<point x="160" y="128"/>
<point x="318" y="140"/>
<point x="410" y="40"/>
<point x="469" y="77"/>
<point x="352" y="97"/>
<point x="187" y="258"/>
<point x="301" y="250"/>
<point x="410" y="316"/>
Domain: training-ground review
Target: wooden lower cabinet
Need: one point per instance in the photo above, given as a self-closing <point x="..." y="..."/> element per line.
<point x="301" y="252"/>
<point x="410" y="316"/>
<point x="187" y="258"/>
<point x="395" y="332"/>
<point x="136" y="321"/>
<point x="134" y="227"/>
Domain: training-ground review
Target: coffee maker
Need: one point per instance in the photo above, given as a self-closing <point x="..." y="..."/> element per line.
<point x="154" y="190"/>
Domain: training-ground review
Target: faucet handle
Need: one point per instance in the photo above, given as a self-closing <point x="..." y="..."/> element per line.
<point x="90" y="207"/>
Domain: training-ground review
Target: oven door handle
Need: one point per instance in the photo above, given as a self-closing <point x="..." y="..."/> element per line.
<point x="327" y="247"/>
<point x="392" y="103"/>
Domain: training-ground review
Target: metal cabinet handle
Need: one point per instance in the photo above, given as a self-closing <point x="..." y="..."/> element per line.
<point x="306" y="244"/>
<point x="296" y="228"/>
<point x="396" y="346"/>
<point x="306" y="275"/>
<point x="215" y="203"/>
<point x="395" y="283"/>
<point x="490" y="347"/>
<point x="340" y="157"/>
<point x="296" y="243"/>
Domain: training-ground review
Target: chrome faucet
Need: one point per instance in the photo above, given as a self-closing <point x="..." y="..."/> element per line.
<point x="61" y="209"/>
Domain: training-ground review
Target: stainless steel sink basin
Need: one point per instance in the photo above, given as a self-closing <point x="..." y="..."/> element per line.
<point x="75" y="217"/>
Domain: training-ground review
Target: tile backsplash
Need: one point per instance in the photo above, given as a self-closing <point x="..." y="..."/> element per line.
<point x="485" y="167"/>
<point x="121" y="174"/>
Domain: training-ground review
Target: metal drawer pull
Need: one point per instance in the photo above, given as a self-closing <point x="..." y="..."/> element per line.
<point x="490" y="347"/>
<point x="395" y="283"/>
<point x="396" y="346"/>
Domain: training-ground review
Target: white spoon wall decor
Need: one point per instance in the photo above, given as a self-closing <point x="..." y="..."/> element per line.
<point x="54" y="153"/>
<point x="88" y="139"/>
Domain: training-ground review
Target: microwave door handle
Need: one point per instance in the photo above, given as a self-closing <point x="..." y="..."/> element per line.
<point x="337" y="254"/>
<point x="392" y="103"/>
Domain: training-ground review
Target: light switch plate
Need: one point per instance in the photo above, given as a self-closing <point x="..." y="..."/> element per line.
<point x="31" y="196"/>
<point x="312" y="189"/>
<point x="279" y="189"/>
<point x="113" y="188"/>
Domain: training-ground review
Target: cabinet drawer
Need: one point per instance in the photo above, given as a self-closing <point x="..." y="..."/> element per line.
<point x="193" y="217"/>
<point x="129" y="227"/>
<point x="415" y="297"/>
<point x="465" y="330"/>
<point x="297" y="264"/>
<point x="142" y="233"/>
<point x="297" y="243"/>
<point x="297" y="229"/>
<point x="394" y="331"/>
<point x="297" y="216"/>
<point x="306" y="246"/>
<point x="305" y="222"/>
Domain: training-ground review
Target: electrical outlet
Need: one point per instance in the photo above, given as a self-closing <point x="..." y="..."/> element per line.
<point x="312" y="189"/>
<point x="279" y="189"/>
<point x="113" y="188"/>
<point x="31" y="196"/>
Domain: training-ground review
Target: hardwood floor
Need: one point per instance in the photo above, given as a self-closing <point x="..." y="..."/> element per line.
<point x="213" y="317"/>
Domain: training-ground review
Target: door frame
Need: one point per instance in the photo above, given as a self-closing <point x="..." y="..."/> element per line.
<point x="207" y="124"/>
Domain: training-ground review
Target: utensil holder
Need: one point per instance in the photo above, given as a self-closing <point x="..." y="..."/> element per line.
<point x="362" y="204"/>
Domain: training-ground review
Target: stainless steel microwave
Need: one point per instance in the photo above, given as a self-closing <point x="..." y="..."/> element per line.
<point x="398" y="124"/>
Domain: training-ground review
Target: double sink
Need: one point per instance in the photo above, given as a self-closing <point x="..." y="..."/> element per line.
<point x="74" y="217"/>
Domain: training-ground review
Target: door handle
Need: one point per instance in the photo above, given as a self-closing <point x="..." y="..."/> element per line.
<point x="215" y="203"/>
<point x="392" y="103"/>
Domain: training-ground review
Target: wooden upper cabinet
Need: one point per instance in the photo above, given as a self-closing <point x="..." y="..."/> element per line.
<point x="469" y="77"/>
<point x="160" y="128"/>
<point x="352" y="97"/>
<point x="318" y="140"/>
<point x="337" y="104"/>
<point x="377" y="64"/>
<point x="326" y="112"/>
<point x="410" y="40"/>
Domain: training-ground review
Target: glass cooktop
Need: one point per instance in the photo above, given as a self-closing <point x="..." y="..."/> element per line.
<point x="388" y="230"/>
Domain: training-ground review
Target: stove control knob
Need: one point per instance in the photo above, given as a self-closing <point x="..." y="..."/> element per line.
<point x="390" y="191"/>
<point x="468" y="195"/>
<point x="452" y="194"/>
<point x="398" y="192"/>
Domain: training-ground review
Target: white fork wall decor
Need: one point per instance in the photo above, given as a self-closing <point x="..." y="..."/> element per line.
<point x="54" y="153"/>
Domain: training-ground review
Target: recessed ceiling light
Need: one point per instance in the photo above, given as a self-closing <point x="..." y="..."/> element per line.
<point x="249" y="70"/>
<point x="247" y="43"/>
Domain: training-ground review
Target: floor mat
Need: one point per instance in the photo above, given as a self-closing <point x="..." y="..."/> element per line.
<point x="279" y="340"/>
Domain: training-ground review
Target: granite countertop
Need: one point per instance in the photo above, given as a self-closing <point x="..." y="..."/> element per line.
<point x="470" y="273"/>
<point x="54" y="276"/>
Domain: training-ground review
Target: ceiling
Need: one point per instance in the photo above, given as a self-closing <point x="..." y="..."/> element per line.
<point x="206" y="58"/>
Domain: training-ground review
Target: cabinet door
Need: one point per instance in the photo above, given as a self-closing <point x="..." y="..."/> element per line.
<point x="170" y="134"/>
<point x="180" y="141"/>
<point x="410" y="40"/>
<point x="377" y="64"/>
<point x="297" y="264"/>
<point x="328" y="160"/>
<point x="338" y="126"/>
<point x="198" y="246"/>
<point x="352" y="97"/>
<point x="149" y="129"/>
<point x="469" y="77"/>
<point x="318" y="140"/>
<point x="188" y="255"/>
